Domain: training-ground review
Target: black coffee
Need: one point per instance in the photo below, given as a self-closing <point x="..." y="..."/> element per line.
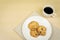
<point x="48" y="10"/>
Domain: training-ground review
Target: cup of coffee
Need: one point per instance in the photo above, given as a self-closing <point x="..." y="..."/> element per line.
<point x="48" y="10"/>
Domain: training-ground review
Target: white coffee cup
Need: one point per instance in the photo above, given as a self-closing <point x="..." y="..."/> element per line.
<point x="48" y="14"/>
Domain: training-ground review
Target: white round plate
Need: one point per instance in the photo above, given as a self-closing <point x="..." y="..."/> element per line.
<point x="41" y="21"/>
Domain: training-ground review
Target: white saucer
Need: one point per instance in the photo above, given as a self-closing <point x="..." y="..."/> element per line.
<point x="41" y="21"/>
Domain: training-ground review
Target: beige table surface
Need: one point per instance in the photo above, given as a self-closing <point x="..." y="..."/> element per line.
<point x="13" y="12"/>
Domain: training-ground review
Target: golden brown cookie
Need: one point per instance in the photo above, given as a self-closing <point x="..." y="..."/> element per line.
<point x="33" y="25"/>
<point x="34" y="33"/>
<point x="41" y="30"/>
